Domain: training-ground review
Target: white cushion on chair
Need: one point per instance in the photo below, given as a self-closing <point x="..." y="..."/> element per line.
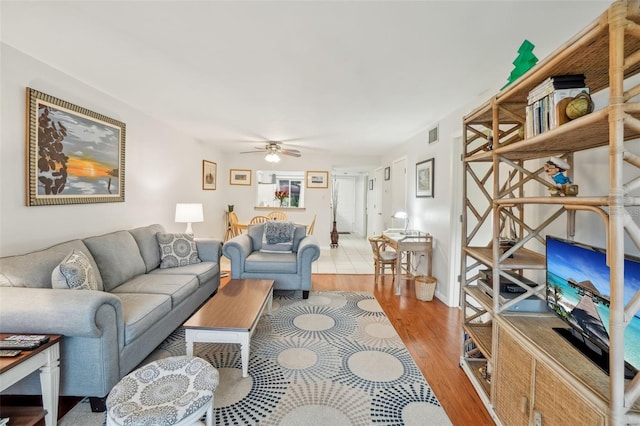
<point x="388" y="255"/>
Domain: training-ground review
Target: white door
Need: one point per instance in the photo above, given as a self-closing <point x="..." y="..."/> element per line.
<point x="374" y="202"/>
<point x="346" y="203"/>
<point x="399" y="185"/>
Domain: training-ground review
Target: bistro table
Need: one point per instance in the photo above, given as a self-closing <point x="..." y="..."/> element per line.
<point x="405" y="244"/>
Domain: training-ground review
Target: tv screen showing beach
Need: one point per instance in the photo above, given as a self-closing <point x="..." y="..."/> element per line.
<point x="578" y="290"/>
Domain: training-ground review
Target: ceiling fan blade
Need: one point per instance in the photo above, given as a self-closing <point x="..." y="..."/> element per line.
<point x="291" y="152"/>
<point x="252" y="152"/>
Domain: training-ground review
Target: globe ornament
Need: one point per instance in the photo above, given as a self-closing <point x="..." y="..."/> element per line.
<point x="579" y="106"/>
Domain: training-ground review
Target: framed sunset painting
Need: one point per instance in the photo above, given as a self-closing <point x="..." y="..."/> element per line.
<point x="74" y="155"/>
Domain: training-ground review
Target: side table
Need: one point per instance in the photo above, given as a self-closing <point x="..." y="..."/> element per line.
<point x="45" y="358"/>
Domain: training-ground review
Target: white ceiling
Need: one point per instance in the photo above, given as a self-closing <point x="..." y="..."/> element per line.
<point x="358" y="76"/>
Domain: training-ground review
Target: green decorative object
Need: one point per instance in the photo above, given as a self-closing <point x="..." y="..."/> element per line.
<point x="523" y="62"/>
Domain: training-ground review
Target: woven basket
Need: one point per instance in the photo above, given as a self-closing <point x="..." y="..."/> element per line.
<point x="425" y="287"/>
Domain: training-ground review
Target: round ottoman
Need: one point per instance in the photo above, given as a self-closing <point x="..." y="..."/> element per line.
<point x="171" y="391"/>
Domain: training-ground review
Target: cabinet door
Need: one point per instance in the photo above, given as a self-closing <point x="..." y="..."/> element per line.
<point x="512" y="381"/>
<point x="559" y="404"/>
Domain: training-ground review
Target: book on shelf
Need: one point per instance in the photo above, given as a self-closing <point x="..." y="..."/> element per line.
<point x="569" y="81"/>
<point x="548" y="113"/>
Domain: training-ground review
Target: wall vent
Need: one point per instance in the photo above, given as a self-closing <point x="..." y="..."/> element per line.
<point x="433" y="135"/>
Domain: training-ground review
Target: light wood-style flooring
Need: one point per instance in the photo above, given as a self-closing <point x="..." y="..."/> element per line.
<point x="431" y="332"/>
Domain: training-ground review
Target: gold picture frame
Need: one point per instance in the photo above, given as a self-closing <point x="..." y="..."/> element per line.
<point x="74" y="155"/>
<point x="209" y="175"/>
<point x="240" y="177"/>
<point x="317" y="179"/>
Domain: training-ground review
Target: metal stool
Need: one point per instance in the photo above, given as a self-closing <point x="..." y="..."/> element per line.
<point x="171" y="391"/>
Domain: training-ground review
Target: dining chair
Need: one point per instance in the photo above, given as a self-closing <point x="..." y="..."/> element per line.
<point x="235" y="224"/>
<point x="382" y="258"/>
<point x="310" y="227"/>
<point x="259" y="219"/>
<point x="276" y="215"/>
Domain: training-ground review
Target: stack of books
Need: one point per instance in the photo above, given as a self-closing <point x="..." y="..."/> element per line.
<point x="545" y="107"/>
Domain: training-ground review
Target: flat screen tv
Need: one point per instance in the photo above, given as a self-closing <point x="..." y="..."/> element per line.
<point x="578" y="291"/>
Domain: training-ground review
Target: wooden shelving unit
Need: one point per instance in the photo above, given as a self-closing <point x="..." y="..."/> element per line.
<point x="497" y="170"/>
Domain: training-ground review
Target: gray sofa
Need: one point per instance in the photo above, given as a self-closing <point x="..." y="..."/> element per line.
<point x="290" y="271"/>
<point x="108" y="331"/>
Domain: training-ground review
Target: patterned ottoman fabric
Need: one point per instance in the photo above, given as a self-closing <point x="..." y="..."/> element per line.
<point x="163" y="392"/>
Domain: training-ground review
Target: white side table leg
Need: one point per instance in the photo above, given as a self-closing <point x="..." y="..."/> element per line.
<point x="50" y="385"/>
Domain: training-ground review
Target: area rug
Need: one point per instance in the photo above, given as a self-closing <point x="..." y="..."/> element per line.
<point x="333" y="359"/>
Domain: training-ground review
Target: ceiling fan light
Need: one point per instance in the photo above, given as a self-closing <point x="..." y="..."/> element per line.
<point x="272" y="157"/>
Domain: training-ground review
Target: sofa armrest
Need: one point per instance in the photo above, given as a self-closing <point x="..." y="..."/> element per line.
<point x="56" y="311"/>
<point x="209" y="249"/>
<point x="237" y="250"/>
<point x="308" y="252"/>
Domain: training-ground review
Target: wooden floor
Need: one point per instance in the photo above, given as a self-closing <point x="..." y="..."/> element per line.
<point x="431" y="332"/>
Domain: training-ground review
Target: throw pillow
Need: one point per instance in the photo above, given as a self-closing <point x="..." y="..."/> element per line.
<point x="278" y="237"/>
<point x="177" y="250"/>
<point x="74" y="272"/>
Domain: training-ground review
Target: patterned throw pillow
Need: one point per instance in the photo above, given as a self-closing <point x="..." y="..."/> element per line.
<point x="177" y="250"/>
<point x="74" y="272"/>
<point x="278" y="237"/>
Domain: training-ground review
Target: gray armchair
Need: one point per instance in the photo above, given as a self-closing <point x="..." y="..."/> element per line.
<point x="289" y="270"/>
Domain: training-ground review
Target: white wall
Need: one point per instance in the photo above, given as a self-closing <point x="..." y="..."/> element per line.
<point x="162" y="167"/>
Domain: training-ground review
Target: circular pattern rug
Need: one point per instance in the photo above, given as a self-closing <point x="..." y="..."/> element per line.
<point x="332" y="359"/>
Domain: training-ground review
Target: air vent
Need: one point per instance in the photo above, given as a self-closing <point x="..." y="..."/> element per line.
<point x="433" y="135"/>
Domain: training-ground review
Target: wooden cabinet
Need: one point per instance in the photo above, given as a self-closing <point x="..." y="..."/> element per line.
<point x="503" y="183"/>
<point x="528" y="388"/>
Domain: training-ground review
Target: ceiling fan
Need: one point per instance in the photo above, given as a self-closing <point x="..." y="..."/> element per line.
<point x="272" y="150"/>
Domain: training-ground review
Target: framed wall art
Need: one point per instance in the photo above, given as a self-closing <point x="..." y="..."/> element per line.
<point x="387" y="173"/>
<point x="424" y="178"/>
<point x="316" y="179"/>
<point x="209" y="175"/>
<point x="240" y="177"/>
<point x="74" y="155"/>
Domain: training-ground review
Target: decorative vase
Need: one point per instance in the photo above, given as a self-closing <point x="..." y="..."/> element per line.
<point x="334" y="235"/>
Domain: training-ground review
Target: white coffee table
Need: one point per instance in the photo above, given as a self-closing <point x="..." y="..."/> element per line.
<point x="231" y="316"/>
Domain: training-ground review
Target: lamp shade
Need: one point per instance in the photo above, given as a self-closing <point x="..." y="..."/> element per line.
<point x="189" y="213"/>
<point x="400" y="215"/>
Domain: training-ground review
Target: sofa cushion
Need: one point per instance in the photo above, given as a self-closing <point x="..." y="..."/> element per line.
<point x="148" y="244"/>
<point x="205" y="271"/>
<point x="117" y="256"/>
<point x="283" y="263"/>
<point x="179" y="287"/>
<point x="140" y="311"/>
<point x="74" y="272"/>
<point x="34" y="269"/>
<point x="177" y="250"/>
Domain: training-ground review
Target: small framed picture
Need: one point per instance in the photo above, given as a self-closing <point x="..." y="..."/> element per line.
<point x="370" y="184"/>
<point x="387" y="173"/>
<point x="317" y="179"/>
<point x="209" y="175"/>
<point x="424" y="178"/>
<point x="240" y="177"/>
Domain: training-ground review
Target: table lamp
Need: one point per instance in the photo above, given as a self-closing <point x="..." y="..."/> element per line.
<point x="402" y="215"/>
<point x="188" y="213"/>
